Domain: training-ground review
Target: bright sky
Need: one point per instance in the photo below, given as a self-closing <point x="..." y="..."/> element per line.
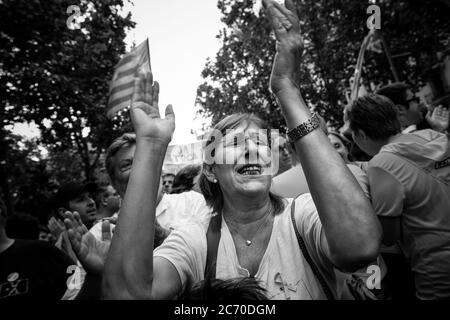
<point x="182" y="34"/>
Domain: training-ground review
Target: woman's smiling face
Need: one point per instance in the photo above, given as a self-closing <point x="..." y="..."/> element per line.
<point x="243" y="161"/>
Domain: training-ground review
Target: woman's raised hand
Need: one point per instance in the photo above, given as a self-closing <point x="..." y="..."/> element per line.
<point x="286" y="26"/>
<point x="144" y="111"/>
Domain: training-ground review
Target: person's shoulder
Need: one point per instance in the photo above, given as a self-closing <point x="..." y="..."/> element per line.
<point x="190" y="234"/>
<point x="189" y="198"/>
<point x="305" y="209"/>
<point x="426" y="135"/>
<point x="36" y="247"/>
<point x="96" y="230"/>
<point x="361" y="177"/>
<point x="32" y="244"/>
<point x="193" y="227"/>
<point x="41" y="256"/>
<point x="385" y="160"/>
<point x="361" y="164"/>
<point x="96" y="226"/>
<point x="42" y="245"/>
<point x="197" y="225"/>
<point x="191" y="195"/>
<point x="307" y="219"/>
<point x="355" y="169"/>
<point x="304" y="199"/>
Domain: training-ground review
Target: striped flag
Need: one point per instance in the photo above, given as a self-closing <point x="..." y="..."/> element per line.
<point x="122" y="83"/>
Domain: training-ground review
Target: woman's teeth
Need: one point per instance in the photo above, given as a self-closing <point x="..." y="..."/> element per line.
<point x="250" y="170"/>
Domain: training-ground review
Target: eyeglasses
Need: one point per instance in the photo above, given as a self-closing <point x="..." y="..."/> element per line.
<point x="239" y="139"/>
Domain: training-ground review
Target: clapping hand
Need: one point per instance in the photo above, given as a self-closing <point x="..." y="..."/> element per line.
<point x="90" y="252"/>
<point x="56" y="227"/>
<point x="438" y="118"/>
<point x="286" y="26"/>
<point x="144" y="111"/>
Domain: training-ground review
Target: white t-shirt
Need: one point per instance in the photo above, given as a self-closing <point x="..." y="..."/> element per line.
<point x="173" y="211"/>
<point x="410" y="180"/>
<point x="283" y="269"/>
<point x="292" y="183"/>
<point x="176" y="210"/>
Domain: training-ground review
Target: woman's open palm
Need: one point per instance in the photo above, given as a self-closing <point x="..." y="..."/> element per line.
<point x="144" y="111"/>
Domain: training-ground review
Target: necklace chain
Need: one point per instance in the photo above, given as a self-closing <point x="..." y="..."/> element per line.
<point x="249" y="241"/>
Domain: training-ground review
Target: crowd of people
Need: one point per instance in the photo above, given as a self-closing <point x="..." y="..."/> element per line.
<point x="358" y="213"/>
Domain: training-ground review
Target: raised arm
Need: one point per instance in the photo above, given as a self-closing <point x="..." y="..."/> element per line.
<point x="129" y="269"/>
<point x="352" y="231"/>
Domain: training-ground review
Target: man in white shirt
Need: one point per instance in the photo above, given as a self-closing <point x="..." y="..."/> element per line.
<point x="173" y="210"/>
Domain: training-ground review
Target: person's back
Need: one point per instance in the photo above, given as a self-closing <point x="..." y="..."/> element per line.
<point x="420" y="164"/>
<point x="32" y="269"/>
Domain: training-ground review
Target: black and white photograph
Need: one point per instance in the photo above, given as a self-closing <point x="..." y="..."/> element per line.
<point x="225" y="154"/>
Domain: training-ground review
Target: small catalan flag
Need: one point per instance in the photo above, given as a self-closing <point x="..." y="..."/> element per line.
<point x="122" y="83"/>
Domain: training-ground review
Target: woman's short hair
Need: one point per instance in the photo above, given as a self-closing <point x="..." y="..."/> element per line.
<point x="212" y="191"/>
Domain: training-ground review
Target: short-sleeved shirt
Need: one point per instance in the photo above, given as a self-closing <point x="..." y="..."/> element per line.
<point x="173" y="211"/>
<point x="33" y="270"/>
<point x="283" y="268"/>
<point x="292" y="183"/>
<point x="409" y="179"/>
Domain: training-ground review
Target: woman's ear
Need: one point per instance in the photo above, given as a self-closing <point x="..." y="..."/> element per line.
<point x="208" y="171"/>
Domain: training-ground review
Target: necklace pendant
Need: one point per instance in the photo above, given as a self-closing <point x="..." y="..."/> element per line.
<point x="248" y="242"/>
